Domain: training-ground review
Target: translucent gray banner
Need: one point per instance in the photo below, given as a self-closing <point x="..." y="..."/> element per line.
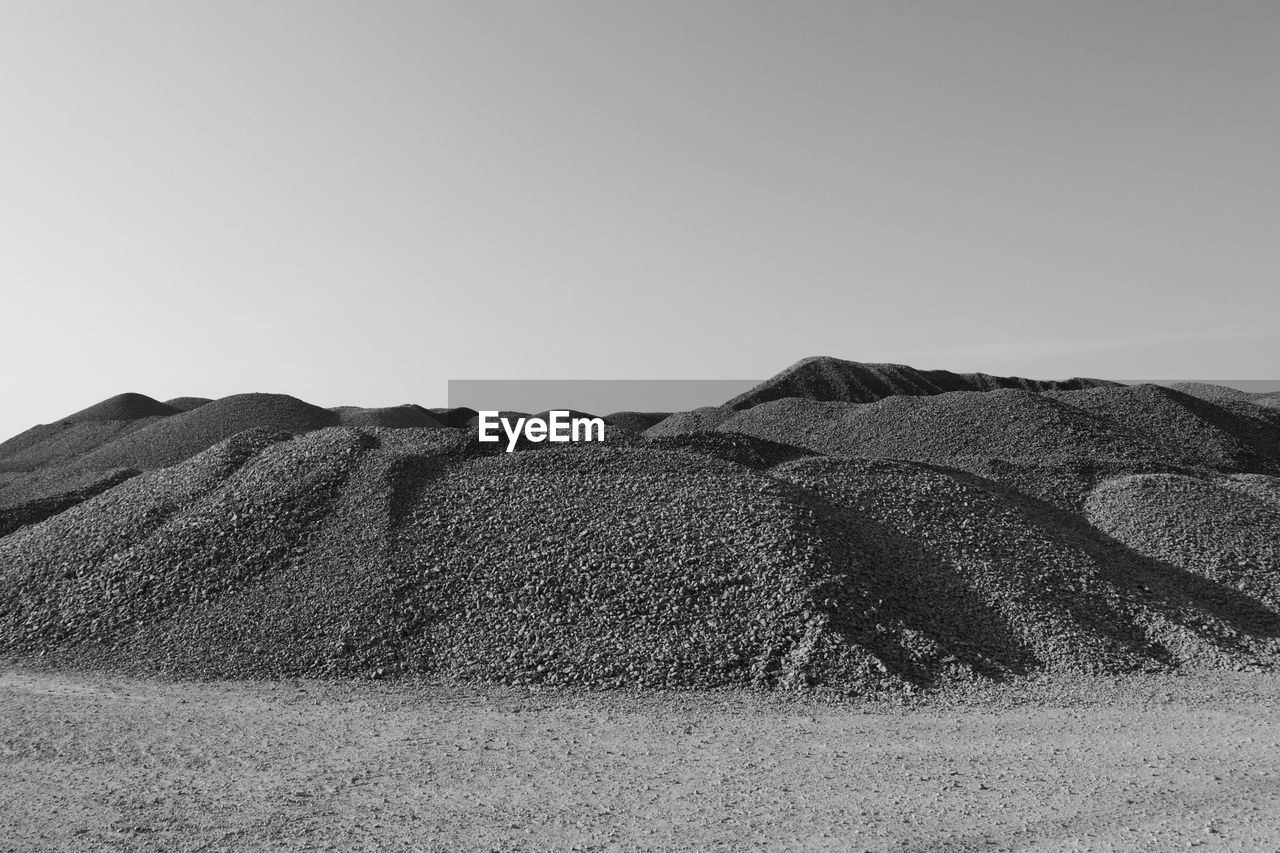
<point x="597" y="396"/>
<point x="604" y="396"/>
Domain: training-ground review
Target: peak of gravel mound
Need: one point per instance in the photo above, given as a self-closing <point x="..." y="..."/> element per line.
<point x="633" y="423"/>
<point x="1138" y="425"/>
<point x="186" y="404"/>
<point x="1212" y="393"/>
<point x="122" y="407"/>
<point x="181" y="436"/>
<point x="459" y="417"/>
<point x="831" y="379"/>
<point x="704" y="419"/>
<point x="391" y="417"/>
<point x="746" y="450"/>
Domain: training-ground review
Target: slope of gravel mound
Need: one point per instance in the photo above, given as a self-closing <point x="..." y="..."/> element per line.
<point x="1140" y="425"/>
<point x="746" y="450"/>
<point x="332" y="554"/>
<point x="390" y="417"/>
<point x="122" y="407"/>
<point x="966" y="572"/>
<point x="31" y="497"/>
<point x="824" y="378"/>
<point x="1212" y="393"/>
<point x="186" y="404"/>
<point x="182" y="436"/>
<point x="704" y="419"/>
<point x="1225" y="529"/>
<point x="1228" y="434"/>
<point x="998" y="424"/>
<point x="634" y="423"/>
<point x="66" y="444"/>
<point x="459" y="417"/>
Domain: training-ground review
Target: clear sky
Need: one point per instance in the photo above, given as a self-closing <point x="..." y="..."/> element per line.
<point x="354" y="202"/>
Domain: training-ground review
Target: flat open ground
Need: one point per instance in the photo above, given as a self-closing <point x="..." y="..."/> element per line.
<point x="1150" y="763"/>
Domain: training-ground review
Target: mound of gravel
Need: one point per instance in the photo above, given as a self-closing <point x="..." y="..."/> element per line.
<point x="31" y="497"/>
<point x="122" y="407"/>
<point x="390" y="417"/>
<point x="833" y="379"/>
<point x="459" y="417"/>
<point x="998" y="424"/>
<point x="1226" y="433"/>
<point x="330" y="553"/>
<point x="1222" y="528"/>
<point x="393" y="552"/>
<point x="1140" y="425"/>
<point x="1212" y="393"/>
<point x="746" y="450"/>
<point x="965" y="573"/>
<point x="182" y="436"/>
<point x="634" y="423"/>
<point x="916" y="539"/>
<point x="685" y="423"/>
<point x="186" y="404"/>
<point x="511" y="417"/>
<point x="65" y="444"/>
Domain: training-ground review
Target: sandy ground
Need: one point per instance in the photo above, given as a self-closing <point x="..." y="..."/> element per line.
<point x="1154" y="763"/>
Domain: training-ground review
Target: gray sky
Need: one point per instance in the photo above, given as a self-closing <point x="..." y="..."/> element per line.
<point x="354" y="202"/>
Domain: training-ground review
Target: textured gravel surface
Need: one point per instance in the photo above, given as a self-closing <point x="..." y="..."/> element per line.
<point x="941" y="539"/>
<point x="826" y="378"/>
<point x="1136" y="764"/>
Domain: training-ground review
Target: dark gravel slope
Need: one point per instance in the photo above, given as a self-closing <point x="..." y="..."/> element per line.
<point x="180" y="437"/>
<point x="825" y="378"/>
<point x="393" y="417"/>
<point x="122" y="407"/>
<point x="30" y="497"/>
<point x="1225" y="529"/>
<point x="186" y="404"/>
<point x="899" y="543"/>
<point x="66" y="444"/>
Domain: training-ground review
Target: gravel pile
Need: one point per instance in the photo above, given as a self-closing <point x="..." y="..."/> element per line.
<point x="458" y="417"/>
<point x="1225" y="529"/>
<point x="181" y="436"/>
<point x="390" y="417"/>
<point x="31" y="497"/>
<point x="1227" y="432"/>
<point x="685" y="423"/>
<point x="67" y="444"/>
<point x="186" y="404"/>
<point x="910" y="541"/>
<point x="584" y="566"/>
<point x="122" y="407"/>
<point x="634" y="423"/>
<point x="746" y="450"/>
<point x="825" y="378"/>
<point x="1213" y="393"/>
<point x="1000" y="424"/>
<point x="1140" y="425"/>
<point x="968" y="575"/>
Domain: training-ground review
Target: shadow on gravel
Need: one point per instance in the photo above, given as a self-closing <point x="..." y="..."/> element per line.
<point x="1177" y="594"/>
<point x="906" y="606"/>
<point x="19" y="515"/>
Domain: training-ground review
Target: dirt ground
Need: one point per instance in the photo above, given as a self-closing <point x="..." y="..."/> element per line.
<point x="93" y="763"/>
